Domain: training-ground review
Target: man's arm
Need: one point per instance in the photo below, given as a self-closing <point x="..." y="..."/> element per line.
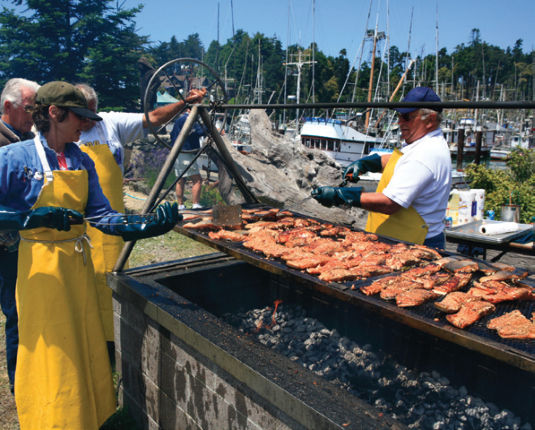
<point x="378" y="202"/>
<point x="163" y="114"/>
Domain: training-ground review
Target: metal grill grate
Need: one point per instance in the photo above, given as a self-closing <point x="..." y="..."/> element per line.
<point x="426" y="317"/>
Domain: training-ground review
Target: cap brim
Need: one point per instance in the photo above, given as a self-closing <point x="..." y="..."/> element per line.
<point x="405" y="110"/>
<point x="409" y="110"/>
<point x="86" y="113"/>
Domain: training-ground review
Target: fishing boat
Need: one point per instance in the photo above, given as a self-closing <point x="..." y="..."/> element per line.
<point x="342" y="143"/>
<point x="492" y="135"/>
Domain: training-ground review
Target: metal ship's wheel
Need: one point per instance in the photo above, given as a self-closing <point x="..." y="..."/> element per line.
<point x="178" y="77"/>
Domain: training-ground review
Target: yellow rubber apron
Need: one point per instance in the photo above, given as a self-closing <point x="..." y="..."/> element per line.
<point x="106" y="248"/>
<point x="63" y="376"/>
<point x="405" y="224"/>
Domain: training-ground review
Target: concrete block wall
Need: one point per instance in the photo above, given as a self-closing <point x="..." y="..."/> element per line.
<point x="168" y="385"/>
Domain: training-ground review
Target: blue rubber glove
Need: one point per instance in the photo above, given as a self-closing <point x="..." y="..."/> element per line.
<point x="332" y="196"/>
<point x="48" y="216"/>
<point x="138" y="227"/>
<point x="371" y="163"/>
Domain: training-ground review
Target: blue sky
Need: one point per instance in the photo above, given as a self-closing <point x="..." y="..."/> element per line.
<point x="341" y="23"/>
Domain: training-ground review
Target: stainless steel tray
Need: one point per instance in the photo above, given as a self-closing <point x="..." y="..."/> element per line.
<point x="470" y="231"/>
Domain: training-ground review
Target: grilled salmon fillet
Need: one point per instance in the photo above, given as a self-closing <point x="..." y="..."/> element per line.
<point x="417" y="272"/>
<point x="415" y="297"/>
<point x="470" y="312"/>
<point x="497" y="292"/>
<point x="305" y="263"/>
<point x="227" y="235"/>
<point x="392" y="290"/>
<point x="339" y="275"/>
<point x="463" y="266"/>
<point x="379" y="285"/>
<point x="431" y="281"/>
<point x="455" y="283"/>
<point x="452" y="302"/>
<point x="513" y="325"/>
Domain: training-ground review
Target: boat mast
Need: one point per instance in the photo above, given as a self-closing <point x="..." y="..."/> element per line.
<point x="361" y="52"/>
<point x="259" y="76"/>
<point x="286" y="64"/>
<point x="313" y="52"/>
<point x="299" y="63"/>
<point x="409" y="50"/>
<point x="370" y="86"/>
<point x="388" y="44"/>
<point x="436" y="59"/>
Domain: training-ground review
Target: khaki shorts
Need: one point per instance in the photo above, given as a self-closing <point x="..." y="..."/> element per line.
<point x="184" y="160"/>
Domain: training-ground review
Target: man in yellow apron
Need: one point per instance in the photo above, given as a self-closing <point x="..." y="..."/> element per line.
<point x="104" y="142"/>
<point x="63" y="377"/>
<point x="412" y="195"/>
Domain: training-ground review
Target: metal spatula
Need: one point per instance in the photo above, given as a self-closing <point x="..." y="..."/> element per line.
<point x="223" y="215"/>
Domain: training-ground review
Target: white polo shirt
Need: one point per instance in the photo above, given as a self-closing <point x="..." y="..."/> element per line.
<point x="422" y="178"/>
<point x="116" y="129"/>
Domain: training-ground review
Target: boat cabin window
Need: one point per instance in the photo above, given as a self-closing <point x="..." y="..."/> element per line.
<point x="317" y="144"/>
<point x="330" y="145"/>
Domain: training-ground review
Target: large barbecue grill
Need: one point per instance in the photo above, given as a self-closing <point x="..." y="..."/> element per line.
<point x="519" y="353"/>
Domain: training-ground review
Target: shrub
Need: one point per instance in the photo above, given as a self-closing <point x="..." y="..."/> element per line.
<point x="210" y="196"/>
<point x="148" y="165"/>
<point x="518" y="179"/>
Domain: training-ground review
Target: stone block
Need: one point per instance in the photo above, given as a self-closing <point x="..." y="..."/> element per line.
<point x="150" y="357"/>
<point x="172" y="417"/>
<point x="131" y="344"/>
<point x="116" y="303"/>
<point x="136" y="317"/>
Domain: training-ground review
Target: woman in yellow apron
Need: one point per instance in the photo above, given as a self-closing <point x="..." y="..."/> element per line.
<point x="63" y="375"/>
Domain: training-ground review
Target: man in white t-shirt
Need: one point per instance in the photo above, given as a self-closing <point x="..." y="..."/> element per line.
<point x="412" y="196"/>
<point x="104" y="142"/>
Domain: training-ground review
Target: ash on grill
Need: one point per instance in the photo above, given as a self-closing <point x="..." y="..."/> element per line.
<point x="422" y="401"/>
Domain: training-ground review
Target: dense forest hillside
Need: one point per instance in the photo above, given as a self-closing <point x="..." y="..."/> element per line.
<point x="96" y="42"/>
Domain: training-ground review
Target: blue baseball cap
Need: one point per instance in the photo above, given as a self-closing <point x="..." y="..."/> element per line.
<point x="420" y="94"/>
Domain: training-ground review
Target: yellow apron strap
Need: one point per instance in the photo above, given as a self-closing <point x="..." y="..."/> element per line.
<point x="106" y="248"/>
<point x="405" y="224"/>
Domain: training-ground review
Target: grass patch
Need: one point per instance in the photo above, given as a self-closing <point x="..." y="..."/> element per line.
<point x="168" y="247"/>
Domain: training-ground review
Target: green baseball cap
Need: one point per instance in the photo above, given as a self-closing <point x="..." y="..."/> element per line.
<point x="65" y="95"/>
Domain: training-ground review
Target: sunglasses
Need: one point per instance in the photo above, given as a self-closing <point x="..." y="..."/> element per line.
<point x="406" y="116"/>
<point x="27" y="108"/>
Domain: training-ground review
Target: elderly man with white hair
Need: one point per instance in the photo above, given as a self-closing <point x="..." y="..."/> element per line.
<point x="15" y="126"/>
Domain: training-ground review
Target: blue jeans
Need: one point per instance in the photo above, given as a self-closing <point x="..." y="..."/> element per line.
<point x="8" y="282"/>
<point x="438" y="241"/>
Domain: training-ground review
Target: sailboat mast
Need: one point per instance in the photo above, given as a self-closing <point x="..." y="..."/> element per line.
<point x="313" y="52"/>
<point x="361" y="53"/>
<point x="370" y="86"/>
<point x="388" y="45"/>
<point x="409" y="48"/>
<point x="436" y="59"/>
<point x="286" y="65"/>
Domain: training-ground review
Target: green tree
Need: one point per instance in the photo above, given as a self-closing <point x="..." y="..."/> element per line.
<point x="73" y="40"/>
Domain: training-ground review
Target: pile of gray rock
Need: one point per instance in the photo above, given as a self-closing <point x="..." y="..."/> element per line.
<point x="419" y="400"/>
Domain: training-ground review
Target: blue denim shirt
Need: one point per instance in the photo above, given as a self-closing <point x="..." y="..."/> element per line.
<point x="22" y="177"/>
